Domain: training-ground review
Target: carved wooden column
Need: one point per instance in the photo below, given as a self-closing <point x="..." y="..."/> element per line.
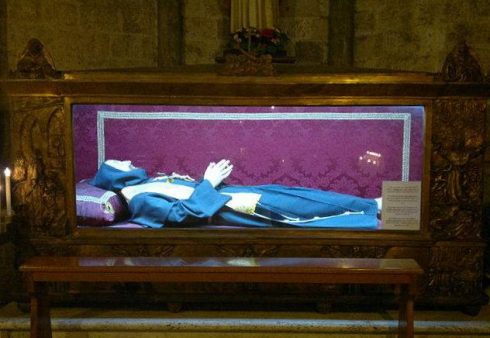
<point x="456" y="197"/>
<point x="456" y="266"/>
<point x="39" y="165"/>
<point x="457" y="162"/>
<point x="170" y="33"/>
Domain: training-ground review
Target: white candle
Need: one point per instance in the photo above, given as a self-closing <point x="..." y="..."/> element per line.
<point x="8" y="197"/>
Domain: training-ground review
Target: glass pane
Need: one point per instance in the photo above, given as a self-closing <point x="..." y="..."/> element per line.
<point x="350" y="150"/>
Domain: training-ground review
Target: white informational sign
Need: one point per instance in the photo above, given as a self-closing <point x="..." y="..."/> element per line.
<point x="401" y="205"/>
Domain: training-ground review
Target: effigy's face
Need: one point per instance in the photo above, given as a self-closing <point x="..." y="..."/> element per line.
<point x="365" y="151"/>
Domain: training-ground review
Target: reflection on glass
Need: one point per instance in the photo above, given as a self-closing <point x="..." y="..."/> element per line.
<point x="349" y="150"/>
<point x="371" y="158"/>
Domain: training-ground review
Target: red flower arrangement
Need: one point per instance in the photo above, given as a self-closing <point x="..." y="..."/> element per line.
<point x="265" y="41"/>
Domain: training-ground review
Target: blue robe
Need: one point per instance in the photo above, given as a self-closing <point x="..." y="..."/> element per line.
<point x="278" y="205"/>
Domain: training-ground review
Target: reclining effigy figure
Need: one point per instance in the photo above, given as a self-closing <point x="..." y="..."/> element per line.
<point x="181" y="201"/>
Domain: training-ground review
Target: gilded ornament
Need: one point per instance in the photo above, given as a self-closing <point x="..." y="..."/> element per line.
<point x="462" y="65"/>
<point x="36" y="62"/>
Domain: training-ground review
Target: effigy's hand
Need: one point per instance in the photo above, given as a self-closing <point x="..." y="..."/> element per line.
<point x="217" y="172"/>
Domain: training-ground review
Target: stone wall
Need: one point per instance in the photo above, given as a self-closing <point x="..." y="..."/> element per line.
<point x="206" y="30"/>
<point x="306" y="23"/>
<point x="418" y="34"/>
<point x="3" y="38"/>
<point x="390" y="34"/>
<point x="85" y="34"/>
<point x="170" y="33"/>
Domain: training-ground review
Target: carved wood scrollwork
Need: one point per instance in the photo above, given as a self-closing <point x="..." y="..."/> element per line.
<point x="142" y="250"/>
<point x="455" y="271"/>
<point x="51" y="248"/>
<point x="248" y="250"/>
<point x="39" y="168"/>
<point x="339" y="251"/>
<point x="456" y="169"/>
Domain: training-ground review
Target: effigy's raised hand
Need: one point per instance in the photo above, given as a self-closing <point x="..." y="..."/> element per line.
<point x="217" y="172"/>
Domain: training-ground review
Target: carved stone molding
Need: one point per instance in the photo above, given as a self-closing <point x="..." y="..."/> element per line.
<point x="456" y="169"/>
<point x="39" y="165"/>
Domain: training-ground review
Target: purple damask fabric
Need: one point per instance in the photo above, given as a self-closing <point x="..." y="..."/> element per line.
<point x="98" y="207"/>
<point x="349" y="149"/>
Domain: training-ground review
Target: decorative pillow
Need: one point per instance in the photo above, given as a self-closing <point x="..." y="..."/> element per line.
<point x="98" y="207"/>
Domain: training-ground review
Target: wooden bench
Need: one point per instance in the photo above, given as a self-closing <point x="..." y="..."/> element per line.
<point x="39" y="271"/>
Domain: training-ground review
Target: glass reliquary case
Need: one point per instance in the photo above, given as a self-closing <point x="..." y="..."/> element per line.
<point x="324" y="165"/>
<point x="349" y="167"/>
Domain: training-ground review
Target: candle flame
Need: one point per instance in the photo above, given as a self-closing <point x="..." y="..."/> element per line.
<point x="7" y="172"/>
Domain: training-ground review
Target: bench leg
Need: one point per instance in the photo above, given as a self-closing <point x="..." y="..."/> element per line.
<point x="40" y="316"/>
<point x="406" y="314"/>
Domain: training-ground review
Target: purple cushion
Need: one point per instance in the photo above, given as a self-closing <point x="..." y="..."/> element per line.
<point x="98" y="207"/>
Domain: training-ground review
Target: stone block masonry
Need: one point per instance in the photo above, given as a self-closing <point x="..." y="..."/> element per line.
<point x="85" y="34"/>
